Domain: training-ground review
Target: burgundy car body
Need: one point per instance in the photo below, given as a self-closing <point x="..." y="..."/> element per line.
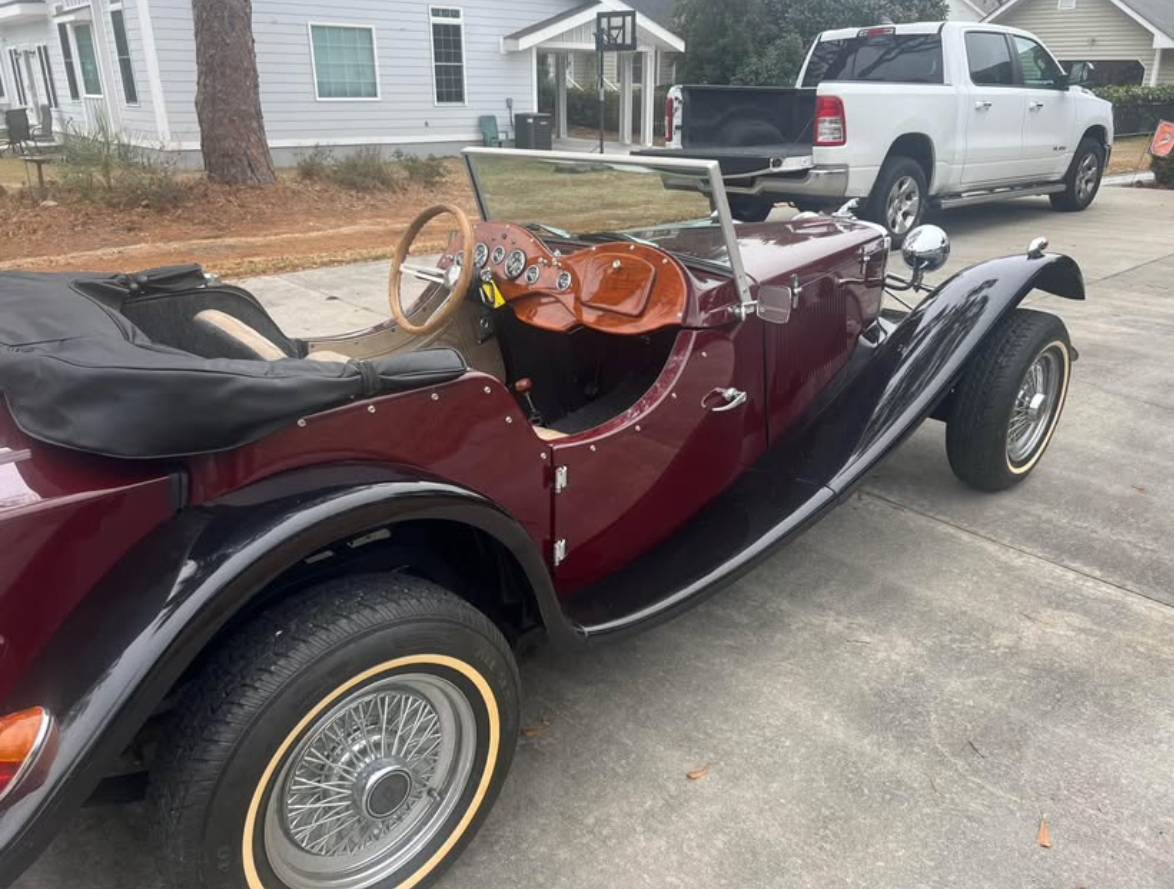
<point x="117" y="573"/>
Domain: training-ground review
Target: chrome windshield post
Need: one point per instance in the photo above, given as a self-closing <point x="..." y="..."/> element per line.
<point x="722" y="205"/>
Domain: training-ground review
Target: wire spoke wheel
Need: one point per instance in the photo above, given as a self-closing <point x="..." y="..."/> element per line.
<point x="371" y="783"/>
<point x="1034" y="407"/>
<point x="904" y="205"/>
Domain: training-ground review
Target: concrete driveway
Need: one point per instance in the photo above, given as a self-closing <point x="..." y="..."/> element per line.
<point x="896" y="700"/>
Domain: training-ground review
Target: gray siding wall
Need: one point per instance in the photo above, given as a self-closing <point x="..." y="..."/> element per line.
<point x="404" y="114"/>
<point x="1166" y="70"/>
<point x="138" y="120"/>
<point x="1095" y="29"/>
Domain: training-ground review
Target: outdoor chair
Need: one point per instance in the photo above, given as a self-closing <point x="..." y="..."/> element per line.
<point x="16" y="121"/>
<point x="44" y="132"/>
<point x="490" y="137"/>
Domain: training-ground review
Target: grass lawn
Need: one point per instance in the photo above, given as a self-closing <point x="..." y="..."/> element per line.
<point x="1130" y="155"/>
<point x="12" y="171"/>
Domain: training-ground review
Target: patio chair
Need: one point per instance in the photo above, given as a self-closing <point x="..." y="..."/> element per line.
<point x="44" y="131"/>
<point x="16" y="121"/>
<point x="489" y="135"/>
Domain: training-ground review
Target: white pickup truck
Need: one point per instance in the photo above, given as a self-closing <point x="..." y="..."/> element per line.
<point x="905" y="117"/>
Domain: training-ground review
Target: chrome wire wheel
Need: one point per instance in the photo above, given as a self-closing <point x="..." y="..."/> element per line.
<point x="1087" y="176"/>
<point x="904" y="205"/>
<point x="1035" y="406"/>
<point x="372" y="782"/>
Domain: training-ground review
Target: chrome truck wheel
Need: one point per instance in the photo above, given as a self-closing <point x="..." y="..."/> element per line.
<point x="1006" y="407"/>
<point x="352" y="738"/>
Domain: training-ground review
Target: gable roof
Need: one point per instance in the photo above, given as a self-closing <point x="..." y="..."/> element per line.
<point x="541" y="31"/>
<point x="1156" y="16"/>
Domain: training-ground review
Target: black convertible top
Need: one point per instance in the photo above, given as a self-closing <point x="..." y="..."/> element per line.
<point x="114" y="365"/>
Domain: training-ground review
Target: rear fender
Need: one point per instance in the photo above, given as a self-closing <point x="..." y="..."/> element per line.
<point x="111" y="664"/>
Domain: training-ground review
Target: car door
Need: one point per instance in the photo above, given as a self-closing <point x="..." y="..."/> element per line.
<point x="628" y="485"/>
<point x="994" y="111"/>
<point x="1049" y="112"/>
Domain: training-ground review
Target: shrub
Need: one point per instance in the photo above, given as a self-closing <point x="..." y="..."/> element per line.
<point x="315" y="165"/>
<point x="428" y="171"/>
<point x="364" y="170"/>
<point x="1163" y="168"/>
<point x="1137" y="109"/>
<point x="103" y="168"/>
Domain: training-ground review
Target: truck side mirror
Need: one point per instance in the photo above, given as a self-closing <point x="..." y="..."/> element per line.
<point x="1079" y="74"/>
<point x="774" y="303"/>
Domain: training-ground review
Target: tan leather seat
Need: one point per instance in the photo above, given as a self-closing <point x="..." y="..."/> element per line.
<point x="247" y="337"/>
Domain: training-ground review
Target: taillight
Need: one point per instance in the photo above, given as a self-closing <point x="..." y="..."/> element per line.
<point x="670" y="114"/>
<point x="831" y="127"/>
<point x="22" y="738"/>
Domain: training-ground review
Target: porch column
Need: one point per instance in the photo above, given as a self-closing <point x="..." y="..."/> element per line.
<point x="560" y="103"/>
<point x="626" y="90"/>
<point x="648" y="97"/>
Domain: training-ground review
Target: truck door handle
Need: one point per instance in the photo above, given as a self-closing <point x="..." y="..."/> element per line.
<point x="982" y="105"/>
<point x="1034" y="106"/>
<point x="731" y="397"/>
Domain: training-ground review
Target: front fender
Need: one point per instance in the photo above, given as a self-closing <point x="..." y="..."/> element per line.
<point x="113" y="661"/>
<point x="914" y="366"/>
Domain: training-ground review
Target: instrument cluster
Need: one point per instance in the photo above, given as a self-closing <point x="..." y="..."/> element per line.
<point x="510" y="263"/>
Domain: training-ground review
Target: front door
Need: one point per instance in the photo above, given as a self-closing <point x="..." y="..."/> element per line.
<point x="624" y="487"/>
<point x="994" y="112"/>
<point x="1049" y="113"/>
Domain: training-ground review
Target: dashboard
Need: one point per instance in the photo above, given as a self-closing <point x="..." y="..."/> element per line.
<point x="618" y="287"/>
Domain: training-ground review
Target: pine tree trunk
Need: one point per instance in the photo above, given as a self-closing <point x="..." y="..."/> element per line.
<point x="228" y="98"/>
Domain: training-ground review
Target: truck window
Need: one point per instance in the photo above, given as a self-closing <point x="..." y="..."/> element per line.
<point x="891" y="58"/>
<point x="1039" y="68"/>
<point x="990" y="59"/>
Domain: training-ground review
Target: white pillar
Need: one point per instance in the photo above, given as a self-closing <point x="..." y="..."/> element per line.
<point x="648" y="97"/>
<point x="1157" y="67"/>
<point x="626" y="90"/>
<point x="560" y="104"/>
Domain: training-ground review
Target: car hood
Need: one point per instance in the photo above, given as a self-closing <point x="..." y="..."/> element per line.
<point x="770" y="249"/>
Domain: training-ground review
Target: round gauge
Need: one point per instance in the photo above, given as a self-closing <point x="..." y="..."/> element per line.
<point x="532" y="275"/>
<point x="480" y="255"/>
<point x="564" y="281"/>
<point x="498" y="254"/>
<point x="516" y="264"/>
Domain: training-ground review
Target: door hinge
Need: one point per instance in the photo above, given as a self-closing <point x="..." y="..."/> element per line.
<point x="561" y="479"/>
<point x="560" y="551"/>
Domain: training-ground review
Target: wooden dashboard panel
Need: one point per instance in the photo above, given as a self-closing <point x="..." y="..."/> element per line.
<point x="616" y="287"/>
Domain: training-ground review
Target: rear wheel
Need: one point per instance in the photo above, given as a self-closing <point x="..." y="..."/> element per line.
<point x="352" y="738"/>
<point x="1009" y="401"/>
<point x="750" y="208"/>
<point x="1083" y="179"/>
<point x="899" y="198"/>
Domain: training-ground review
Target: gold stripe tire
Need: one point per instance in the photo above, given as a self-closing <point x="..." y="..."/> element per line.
<point x="259" y="694"/>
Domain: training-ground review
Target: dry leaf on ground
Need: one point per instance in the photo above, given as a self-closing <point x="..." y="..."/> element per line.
<point x="698" y="774"/>
<point x="1045" y="833"/>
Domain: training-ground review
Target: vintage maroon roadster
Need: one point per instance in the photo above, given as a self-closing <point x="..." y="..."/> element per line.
<point x="285" y="577"/>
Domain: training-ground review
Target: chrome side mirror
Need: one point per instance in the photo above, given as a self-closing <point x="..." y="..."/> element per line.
<point x="774" y="304"/>
<point x="926" y="249"/>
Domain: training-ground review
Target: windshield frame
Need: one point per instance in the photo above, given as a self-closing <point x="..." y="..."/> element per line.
<point x="708" y="170"/>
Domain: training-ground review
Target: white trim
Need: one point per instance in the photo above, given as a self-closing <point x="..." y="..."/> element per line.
<point x="672" y="42"/>
<point x="1161" y="38"/>
<point x="534" y="79"/>
<point x="1157" y="67"/>
<point x="154" y="77"/>
<point x="449" y="20"/>
<point x="314" y="62"/>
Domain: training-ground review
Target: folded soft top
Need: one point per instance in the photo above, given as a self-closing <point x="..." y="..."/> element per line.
<point x="76" y="371"/>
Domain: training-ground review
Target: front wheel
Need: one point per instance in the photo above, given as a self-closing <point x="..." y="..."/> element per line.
<point x="1083" y="180"/>
<point x="899" y="198"/>
<point x="1009" y="401"/>
<point x="351" y="738"/>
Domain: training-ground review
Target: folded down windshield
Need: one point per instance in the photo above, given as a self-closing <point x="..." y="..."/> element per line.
<point x="593" y="198"/>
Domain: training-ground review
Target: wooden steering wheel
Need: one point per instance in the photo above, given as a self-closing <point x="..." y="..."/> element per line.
<point x="456" y="278"/>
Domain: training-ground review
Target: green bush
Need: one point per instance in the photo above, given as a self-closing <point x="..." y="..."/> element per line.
<point x="428" y="171"/>
<point x="102" y="168"/>
<point x="1163" y="168"/>
<point x="315" y="165"/>
<point x="364" y="170"/>
<point x="583" y="109"/>
<point x="1137" y="109"/>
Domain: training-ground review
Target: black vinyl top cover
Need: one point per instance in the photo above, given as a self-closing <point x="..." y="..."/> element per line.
<point x="76" y="372"/>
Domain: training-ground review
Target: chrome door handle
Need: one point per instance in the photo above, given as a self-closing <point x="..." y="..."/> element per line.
<point x="733" y="398"/>
<point x="1034" y="106"/>
<point x="982" y="105"/>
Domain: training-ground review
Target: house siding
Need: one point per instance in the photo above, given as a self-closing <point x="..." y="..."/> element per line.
<point x="404" y="114"/>
<point x="1095" y="29"/>
<point x="1166" y="68"/>
<point x="138" y="120"/>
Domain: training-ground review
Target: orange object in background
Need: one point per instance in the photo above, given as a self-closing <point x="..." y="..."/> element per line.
<point x="1163" y="143"/>
<point x="22" y="735"/>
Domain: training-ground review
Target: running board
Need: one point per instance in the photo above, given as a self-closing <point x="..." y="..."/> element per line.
<point x="999" y="194"/>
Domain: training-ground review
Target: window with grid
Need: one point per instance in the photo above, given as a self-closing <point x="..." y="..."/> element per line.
<point x="344" y="62"/>
<point x="87" y="59"/>
<point x="67" y="55"/>
<point x="448" y="54"/>
<point x="122" y="48"/>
